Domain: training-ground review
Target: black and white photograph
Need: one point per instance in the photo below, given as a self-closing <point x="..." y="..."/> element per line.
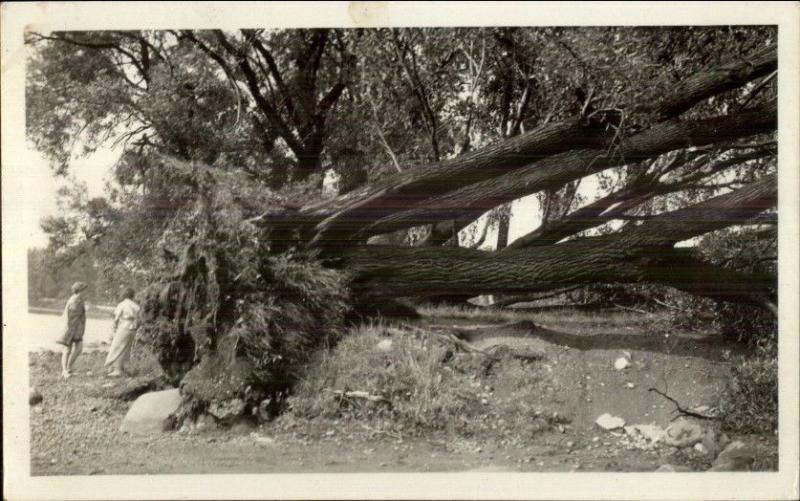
<point x="400" y="246"/>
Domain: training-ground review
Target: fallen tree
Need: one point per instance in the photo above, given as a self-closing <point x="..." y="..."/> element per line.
<point x="252" y="286"/>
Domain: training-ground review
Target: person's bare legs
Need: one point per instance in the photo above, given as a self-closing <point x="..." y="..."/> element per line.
<point x="77" y="348"/>
<point x="65" y="352"/>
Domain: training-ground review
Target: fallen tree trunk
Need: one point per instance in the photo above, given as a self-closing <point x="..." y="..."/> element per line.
<point x="343" y="218"/>
<point x="640" y="254"/>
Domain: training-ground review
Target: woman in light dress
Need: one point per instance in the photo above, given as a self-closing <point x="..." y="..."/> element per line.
<point x="126" y="322"/>
<point x="74" y="327"/>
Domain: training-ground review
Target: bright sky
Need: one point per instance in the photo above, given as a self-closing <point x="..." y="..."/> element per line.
<point x="40" y="186"/>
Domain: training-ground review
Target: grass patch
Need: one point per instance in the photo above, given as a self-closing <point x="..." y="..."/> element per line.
<point x="749" y="403"/>
<point x="586" y="320"/>
<point x="425" y="385"/>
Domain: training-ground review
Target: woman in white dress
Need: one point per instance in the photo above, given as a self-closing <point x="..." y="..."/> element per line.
<point x="126" y="322"/>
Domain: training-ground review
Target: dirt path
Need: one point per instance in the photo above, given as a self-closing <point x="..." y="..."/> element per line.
<point x="74" y="430"/>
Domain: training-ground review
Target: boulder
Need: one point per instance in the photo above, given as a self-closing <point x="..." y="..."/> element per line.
<point x="668" y="468"/>
<point x="737" y="456"/>
<point x="609" y="422"/>
<point x="683" y="433"/>
<point x="151" y="412"/>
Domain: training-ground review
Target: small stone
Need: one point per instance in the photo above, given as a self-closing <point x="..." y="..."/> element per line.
<point x="609" y="422"/>
<point x="570" y="444"/>
<point x="330" y="433"/>
<point x="699" y="447"/>
<point x="384" y="345"/>
<point x="262" y="440"/>
<point x="621" y="363"/>
<point x="630" y="385"/>
<point x="595" y="439"/>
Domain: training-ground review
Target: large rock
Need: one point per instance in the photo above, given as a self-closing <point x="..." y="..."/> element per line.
<point x="737" y="456"/>
<point x="151" y="412"/>
<point x="683" y="433"/>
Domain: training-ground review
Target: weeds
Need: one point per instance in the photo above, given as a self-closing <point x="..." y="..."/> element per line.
<point x="423" y="385"/>
<point x="749" y="403"/>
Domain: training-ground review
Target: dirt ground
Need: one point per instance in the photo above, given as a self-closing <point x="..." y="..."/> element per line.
<point x="74" y="431"/>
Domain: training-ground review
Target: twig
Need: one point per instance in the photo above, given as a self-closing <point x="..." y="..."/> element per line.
<point x="680" y="410"/>
<point x="632" y="309"/>
<point x="361" y="395"/>
<point x="668" y="305"/>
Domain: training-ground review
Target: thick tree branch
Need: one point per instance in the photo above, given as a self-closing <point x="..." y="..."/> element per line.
<point x="616" y="204"/>
<point x="466" y="204"/>
<point x="643" y="254"/>
<point x="717" y="80"/>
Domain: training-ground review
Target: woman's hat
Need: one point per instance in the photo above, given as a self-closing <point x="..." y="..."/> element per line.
<point x="78" y="286"/>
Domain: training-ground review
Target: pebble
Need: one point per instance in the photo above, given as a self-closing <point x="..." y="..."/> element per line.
<point x="621" y="363"/>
